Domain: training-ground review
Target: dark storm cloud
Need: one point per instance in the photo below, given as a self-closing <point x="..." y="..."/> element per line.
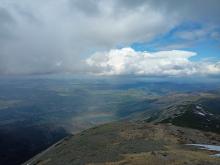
<point x="90" y="8"/>
<point x="55" y="35"/>
<point x="6" y="21"/>
<point x="208" y="10"/>
<point x="5" y="17"/>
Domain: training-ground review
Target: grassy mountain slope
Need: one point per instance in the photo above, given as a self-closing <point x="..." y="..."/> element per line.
<point x="131" y="143"/>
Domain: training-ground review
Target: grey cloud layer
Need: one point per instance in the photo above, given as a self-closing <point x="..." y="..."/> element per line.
<point x="44" y="36"/>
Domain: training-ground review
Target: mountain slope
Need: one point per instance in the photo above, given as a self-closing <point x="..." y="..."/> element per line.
<point x="203" y="114"/>
<point x="131" y="143"/>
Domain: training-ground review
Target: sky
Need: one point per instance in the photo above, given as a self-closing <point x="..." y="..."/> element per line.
<point x="114" y="37"/>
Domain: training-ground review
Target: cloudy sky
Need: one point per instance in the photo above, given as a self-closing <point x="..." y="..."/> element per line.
<point x="110" y="37"/>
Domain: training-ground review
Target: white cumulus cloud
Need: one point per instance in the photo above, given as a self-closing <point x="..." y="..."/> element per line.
<point x="127" y="61"/>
